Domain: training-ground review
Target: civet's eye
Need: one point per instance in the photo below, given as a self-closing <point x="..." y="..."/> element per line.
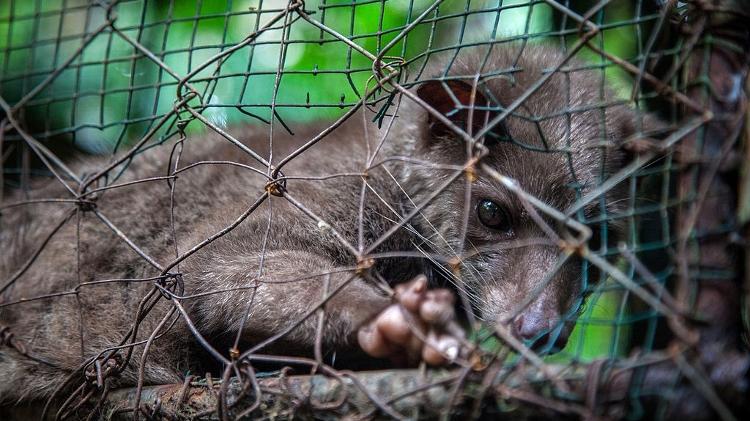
<point x="493" y="216"/>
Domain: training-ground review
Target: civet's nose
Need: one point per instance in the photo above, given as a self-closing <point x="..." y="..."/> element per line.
<point x="539" y="327"/>
<point x="528" y="328"/>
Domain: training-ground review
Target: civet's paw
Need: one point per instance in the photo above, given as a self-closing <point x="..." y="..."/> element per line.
<point x="419" y="326"/>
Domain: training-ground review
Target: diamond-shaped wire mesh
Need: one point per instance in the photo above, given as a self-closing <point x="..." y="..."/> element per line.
<point x="269" y="171"/>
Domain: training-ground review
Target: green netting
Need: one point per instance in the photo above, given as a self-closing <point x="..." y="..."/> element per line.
<point x="116" y="78"/>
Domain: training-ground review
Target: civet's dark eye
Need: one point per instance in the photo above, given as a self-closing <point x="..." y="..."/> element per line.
<point x="493" y="216"/>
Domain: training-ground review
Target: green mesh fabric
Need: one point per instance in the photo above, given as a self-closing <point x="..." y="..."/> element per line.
<point x="115" y="78"/>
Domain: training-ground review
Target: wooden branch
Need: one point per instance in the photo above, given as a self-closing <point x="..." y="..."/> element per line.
<point x="596" y="390"/>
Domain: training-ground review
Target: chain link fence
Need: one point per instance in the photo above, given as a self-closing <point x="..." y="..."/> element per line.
<point x="115" y="114"/>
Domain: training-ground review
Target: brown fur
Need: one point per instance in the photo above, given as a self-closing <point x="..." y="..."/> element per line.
<point x="209" y="197"/>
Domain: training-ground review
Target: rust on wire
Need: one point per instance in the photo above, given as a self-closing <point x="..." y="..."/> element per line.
<point x="694" y="303"/>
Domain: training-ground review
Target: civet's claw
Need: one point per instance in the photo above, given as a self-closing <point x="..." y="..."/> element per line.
<point x="440" y="349"/>
<point x="414" y="328"/>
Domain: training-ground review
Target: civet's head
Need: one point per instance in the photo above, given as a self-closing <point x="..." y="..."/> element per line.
<point x="559" y="144"/>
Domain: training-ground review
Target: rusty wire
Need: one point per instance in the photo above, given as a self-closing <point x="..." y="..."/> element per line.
<point x="712" y="113"/>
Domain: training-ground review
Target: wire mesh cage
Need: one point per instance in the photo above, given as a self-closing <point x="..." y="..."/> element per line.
<point x="373" y="209"/>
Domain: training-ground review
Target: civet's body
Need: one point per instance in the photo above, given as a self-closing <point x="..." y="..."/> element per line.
<point x="300" y="256"/>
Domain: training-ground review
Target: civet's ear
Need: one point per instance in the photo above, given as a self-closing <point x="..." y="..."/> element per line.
<point x="452" y="98"/>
